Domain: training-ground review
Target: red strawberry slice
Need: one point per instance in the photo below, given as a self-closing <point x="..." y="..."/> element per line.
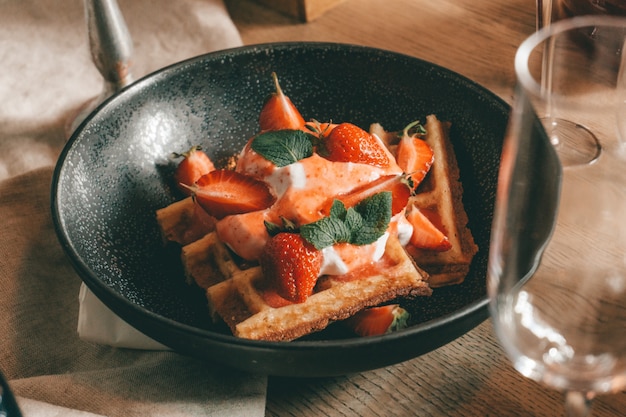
<point x="224" y="192"/>
<point x="279" y="112"/>
<point x="425" y="234"/>
<point x="349" y="143"/>
<point x="292" y="265"/>
<point x="400" y="193"/>
<point x="415" y="157"/>
<point x="195" y="164"/>
<point x="378" y="320"/>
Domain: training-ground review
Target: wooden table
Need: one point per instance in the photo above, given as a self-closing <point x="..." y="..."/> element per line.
<point x="470" y="376"/>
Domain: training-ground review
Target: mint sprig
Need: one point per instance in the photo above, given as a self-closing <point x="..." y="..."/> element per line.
<point x="359" y="225"/>
<point x="283" y="147"/>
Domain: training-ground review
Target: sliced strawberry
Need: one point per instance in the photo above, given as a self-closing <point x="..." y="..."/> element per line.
<point x="400" y="193"/>
<point x="378" y="320"/>
<point x="224" y="192"/>
<point x="195" y="164"/>
<point x="292" y="265"/>
<point x="425" y="234"/>
<point x="414" y="156"/>
<point x="279" y="112"/>
<point x="349" y="143"/>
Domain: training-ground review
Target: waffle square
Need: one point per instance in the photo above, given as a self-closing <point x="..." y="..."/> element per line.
<point x="234" y="287"/>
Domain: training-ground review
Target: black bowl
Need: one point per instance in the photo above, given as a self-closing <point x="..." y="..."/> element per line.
<point x="115" y="173"/>
<point x="8" y="404"/>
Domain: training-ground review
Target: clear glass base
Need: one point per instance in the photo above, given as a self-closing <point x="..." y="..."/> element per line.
<point x="575" y="144"/>
<point x="578" y="404"/>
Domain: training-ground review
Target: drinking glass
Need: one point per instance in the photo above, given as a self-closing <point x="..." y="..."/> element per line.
<point x="574" y="141"/>
<point x="557" y="262"/>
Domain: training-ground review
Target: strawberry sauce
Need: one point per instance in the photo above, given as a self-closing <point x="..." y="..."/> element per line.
<point x="302" y="190"/>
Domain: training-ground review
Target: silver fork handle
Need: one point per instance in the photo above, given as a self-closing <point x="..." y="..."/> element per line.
<point x="110" y="43"/>
<point x="111" y="50"/>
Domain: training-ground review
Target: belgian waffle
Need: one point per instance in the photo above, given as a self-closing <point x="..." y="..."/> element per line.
<point x="234" y="295"/>
<point x="441" y="192"/>
<point x="183" y="222"/>
<point x="240" y="303"/>
<point x="233" y="287"/>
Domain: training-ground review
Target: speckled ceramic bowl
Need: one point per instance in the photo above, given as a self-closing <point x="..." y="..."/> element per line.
<point x="8" y="405"/>
<point x="114" y="174"/>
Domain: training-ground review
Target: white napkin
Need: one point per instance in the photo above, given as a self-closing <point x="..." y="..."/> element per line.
<point x="98" y="324"/>
<point x="51" y="94"/>
<point x="33" y="408"/>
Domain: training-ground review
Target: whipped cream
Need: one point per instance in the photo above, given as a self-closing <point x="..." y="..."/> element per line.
<point x="302" y="190"/>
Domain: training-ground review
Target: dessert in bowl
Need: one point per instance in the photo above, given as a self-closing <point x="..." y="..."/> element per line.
<point x="115" y="173"/>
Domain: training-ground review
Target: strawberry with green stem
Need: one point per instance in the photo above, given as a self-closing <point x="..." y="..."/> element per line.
<point x="377" y="321"/>
<point x="278" y="112"/>
<point x="347" y="142"/>
<point x="195" y="164"/>
<point x="413" y="154"/>
<point x="292" y="265"/>
<point x="292" y="258"/>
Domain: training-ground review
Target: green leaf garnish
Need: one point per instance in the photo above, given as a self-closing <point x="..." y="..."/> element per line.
<point x="283" y="147"/>
<point x="326" y="232"/>
<point x="376" y="214"/>
<point x="359" y="225"/>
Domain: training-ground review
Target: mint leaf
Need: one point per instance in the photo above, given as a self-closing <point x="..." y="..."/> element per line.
<point x="376" y="214"/>
<point x="338" y="210"/>
<point x="283" y="147"/>
<point x="354" y="221"/>
<point x="325" y="232"/>
<point x="360" y="225"/>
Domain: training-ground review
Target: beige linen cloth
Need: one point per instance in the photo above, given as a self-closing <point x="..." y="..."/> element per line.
<point x="46" y="75"/>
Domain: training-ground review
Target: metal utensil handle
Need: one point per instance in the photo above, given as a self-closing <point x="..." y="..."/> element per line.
<point x="110" y="43"/>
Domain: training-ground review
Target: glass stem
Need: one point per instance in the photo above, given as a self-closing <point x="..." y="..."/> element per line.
<point x="578" y="404"/>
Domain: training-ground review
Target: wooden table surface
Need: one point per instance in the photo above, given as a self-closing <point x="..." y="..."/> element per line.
<point x="470" y="376"/>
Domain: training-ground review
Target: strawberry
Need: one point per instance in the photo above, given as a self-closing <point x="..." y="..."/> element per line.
<point x="414" y="155"/>
<point x="400" y="193"/>
<point x="292" y="264"/>
<point x="378" y="320"/>
<point x="425" y="234"/>
<point x="195" y="164"/>
<point x="319" y="129"/>
<point x="278" y="111"/>
<point x="349" y="143"/>
<point x="272" y="299"/>
<point x="224" y="192"/>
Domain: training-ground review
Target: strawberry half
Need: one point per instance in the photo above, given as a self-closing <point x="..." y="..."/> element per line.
<point x="414" y="155"/>
<point x="224" y="192"/>
<point x="425" y="234"/>
<point x="396" y="184"/>
<point x="292" y="265"/>
<point x="378" y="320"/>
<point x="195" y="164"/>
<point x="279" y="112"/>
<point x="349" y="143"/>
